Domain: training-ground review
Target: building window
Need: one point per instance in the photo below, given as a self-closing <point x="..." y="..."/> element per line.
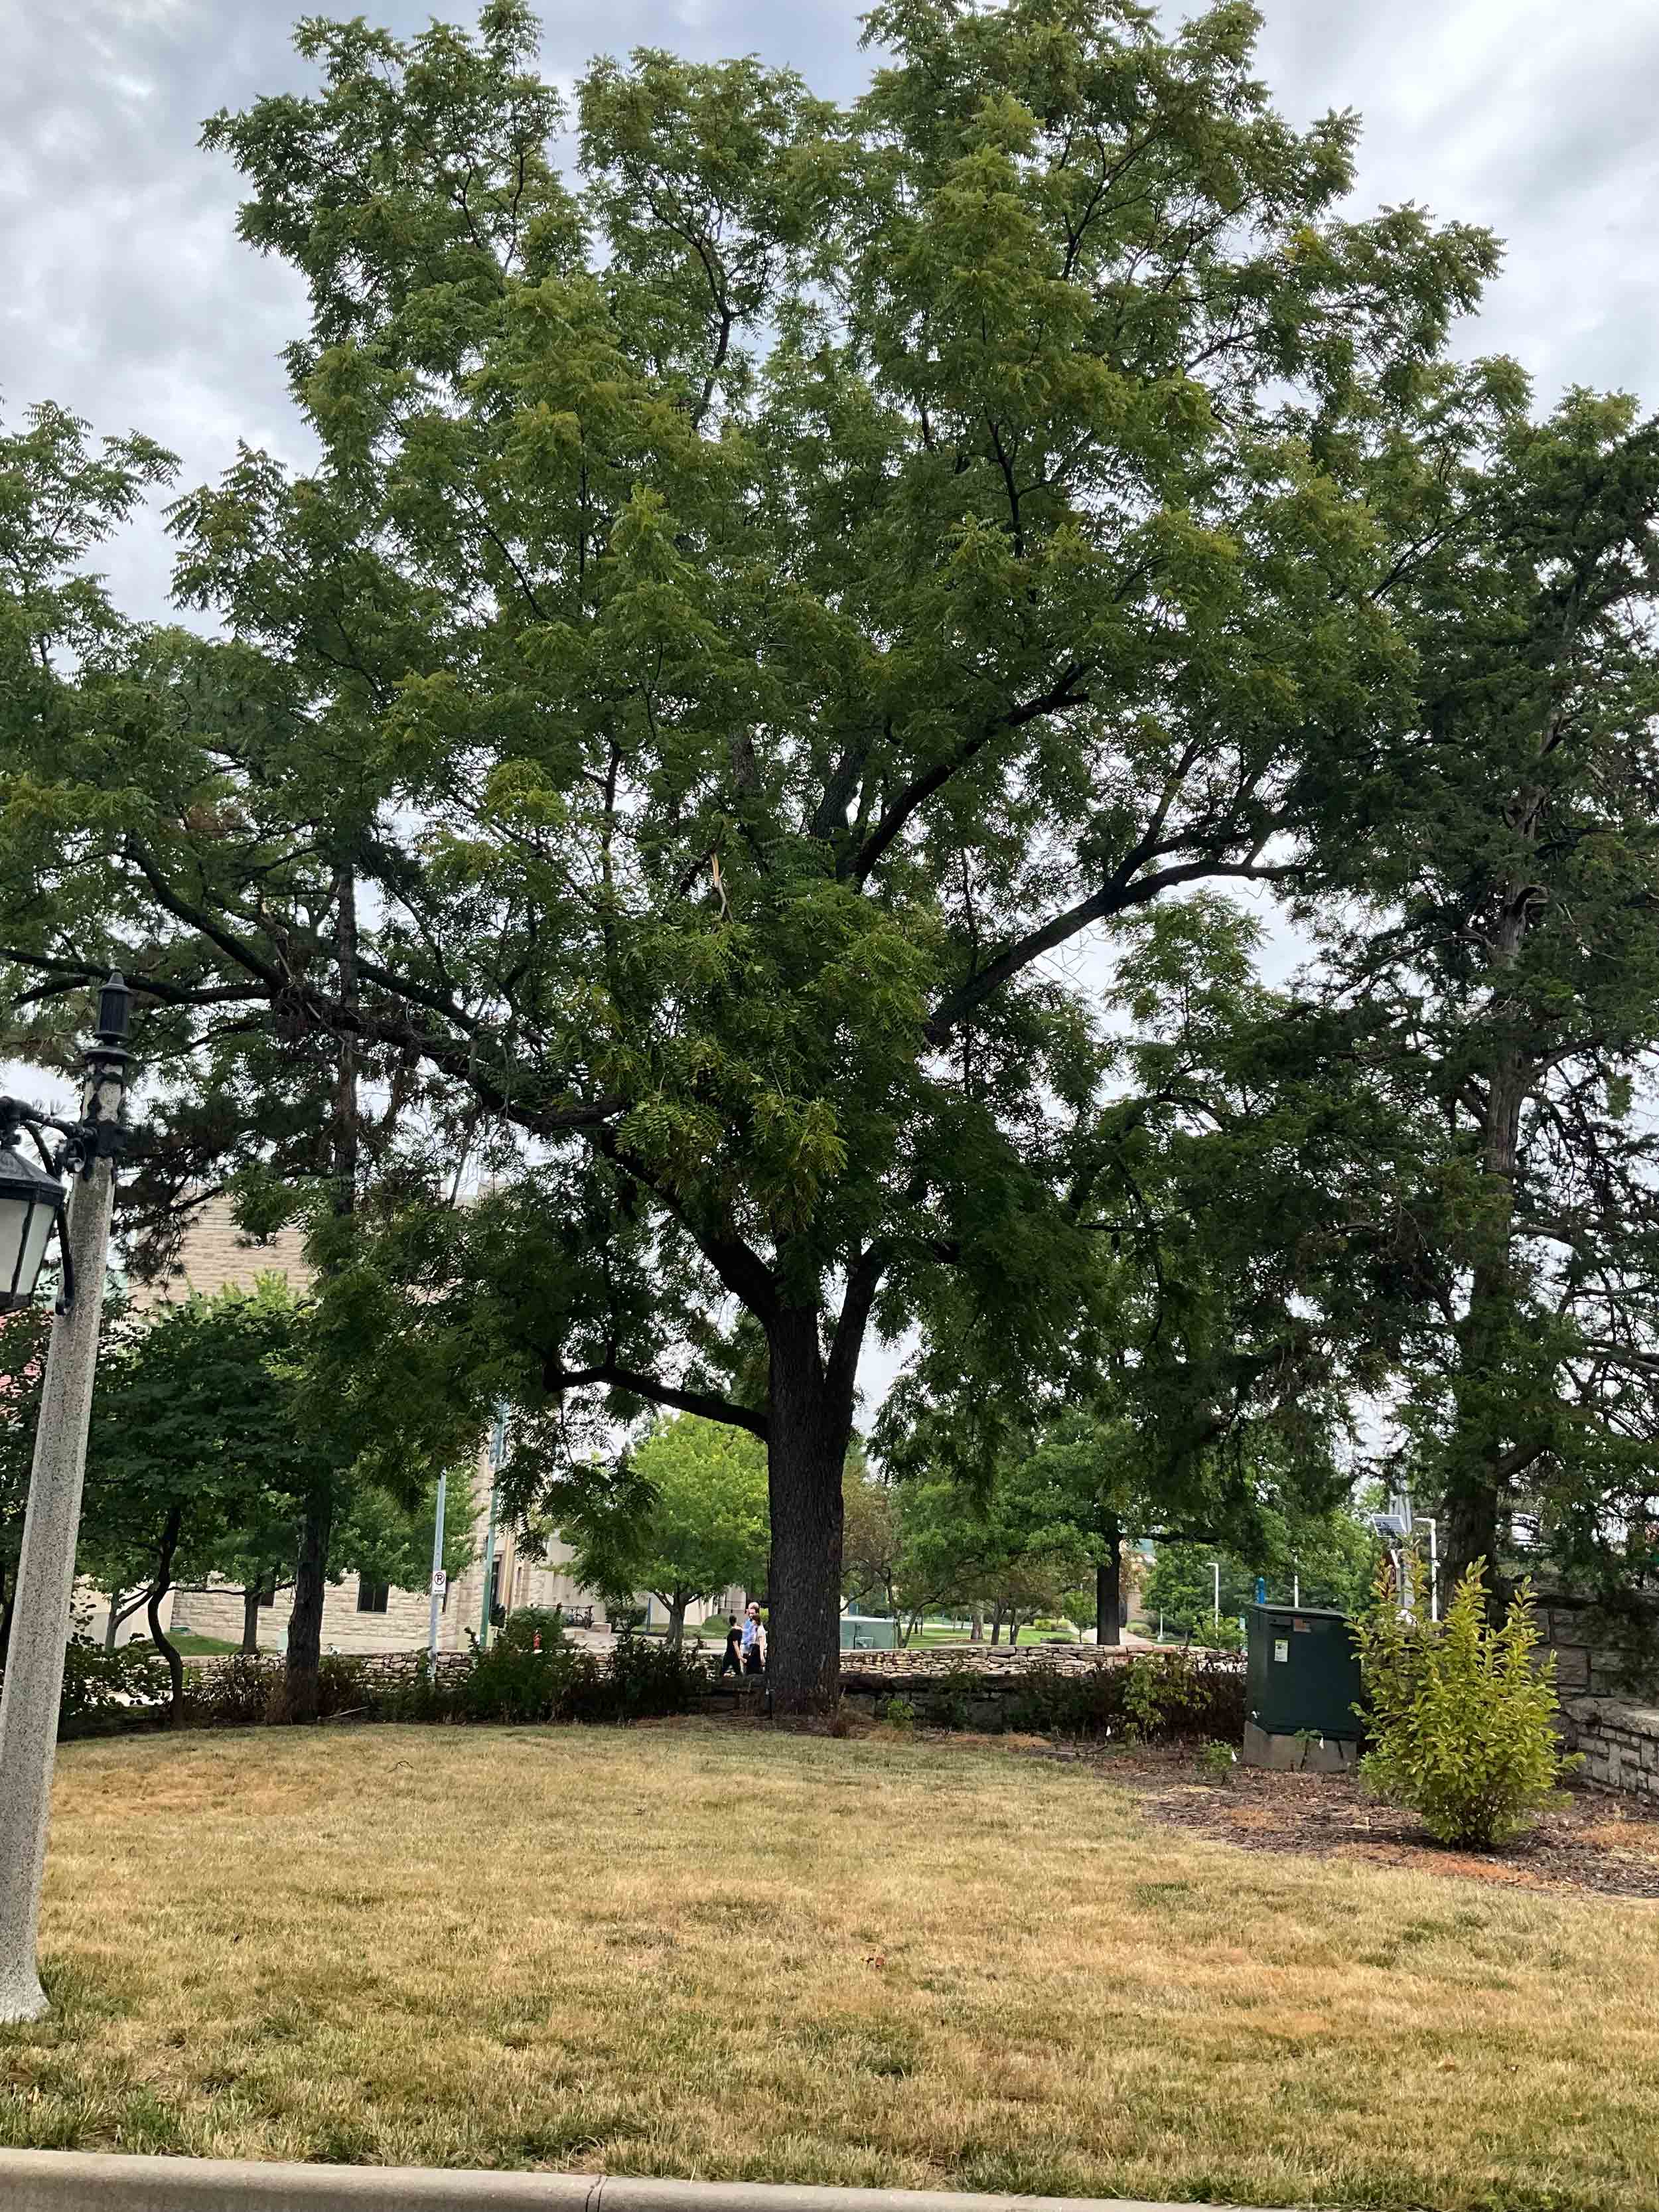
<point x="372" y="1596"/>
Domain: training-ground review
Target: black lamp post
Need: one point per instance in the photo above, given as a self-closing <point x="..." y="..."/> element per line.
<point x="31" y="1201"/>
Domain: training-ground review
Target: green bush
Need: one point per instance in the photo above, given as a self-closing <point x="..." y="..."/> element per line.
<point x="898" y="1712"/>
<point x="237" y="1694"/>
<point x="522" y="1627"/>
<point x="1461" y="1714"/>
<point x="110" y="1688"/>
<point x="1156" y="1697"/>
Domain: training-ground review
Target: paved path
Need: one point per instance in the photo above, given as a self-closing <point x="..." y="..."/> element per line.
<point x="86" y="2181"/>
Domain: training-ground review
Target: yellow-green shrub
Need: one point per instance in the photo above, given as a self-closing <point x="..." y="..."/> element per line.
<point x="1462" y="1714"/>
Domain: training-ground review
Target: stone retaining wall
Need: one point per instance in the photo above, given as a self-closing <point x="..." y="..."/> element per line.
<point x="1597" y="1654"/>
<point x="991" y="1659"/>
<point x="1619" y="1742"/>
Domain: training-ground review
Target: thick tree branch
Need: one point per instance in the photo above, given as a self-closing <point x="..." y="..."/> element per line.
<point x="1113" y="897"/>
<point x="708" y="1404"/>
<point x="859" y="864"/>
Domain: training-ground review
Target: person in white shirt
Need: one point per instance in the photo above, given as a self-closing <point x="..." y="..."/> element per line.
<point x="754" y="1641"/>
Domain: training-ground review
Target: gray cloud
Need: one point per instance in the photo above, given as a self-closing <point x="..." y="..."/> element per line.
<point x="129" y="297"/>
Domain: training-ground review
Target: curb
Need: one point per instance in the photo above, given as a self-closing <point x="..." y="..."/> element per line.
<point x="91" y="2181"/>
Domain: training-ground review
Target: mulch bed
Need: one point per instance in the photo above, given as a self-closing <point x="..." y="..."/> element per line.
<point x="1592" y="1841"/>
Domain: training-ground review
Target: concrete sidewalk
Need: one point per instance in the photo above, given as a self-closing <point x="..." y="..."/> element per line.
<point x="83" y="2181"/>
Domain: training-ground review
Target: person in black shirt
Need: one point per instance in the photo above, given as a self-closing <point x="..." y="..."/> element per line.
<point x="732" y="1662"/>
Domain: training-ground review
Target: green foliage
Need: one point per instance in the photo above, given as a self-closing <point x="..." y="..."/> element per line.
<point x="1217" y="1762"/>
<point x="512" y="1683"/>
<point x="1179" y="1697"/>
<point x="527" y="1623"/>
<point x="122" y="1689"/>
<point x="760" y="591"/>
<point x="898" y="1712"/>
<point x="684" y="1516"/>
<point x="1462" y="1714"/>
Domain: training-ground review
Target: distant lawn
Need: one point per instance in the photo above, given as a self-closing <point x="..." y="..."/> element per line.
<point x="739" y="1955"/>
<point x="189" y="1646"/>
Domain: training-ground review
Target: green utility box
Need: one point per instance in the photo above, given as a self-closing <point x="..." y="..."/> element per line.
<point x="1301" y="1684"/>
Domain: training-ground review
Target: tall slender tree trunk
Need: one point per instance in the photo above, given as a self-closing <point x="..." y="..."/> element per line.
<point x="300" y="1684"/>
<point x="1478" y="1471"/>
<point x="162" y="1583"/>
<point x="114" y="1621"/>
<point x="996" y="1624"/>
<point x="251" y="1598"/>
<point x="1109" y="1588"/>
<point x="809" y="1423"/>
<point x="676" y="1604"/>
<point x="976" y="1624"/>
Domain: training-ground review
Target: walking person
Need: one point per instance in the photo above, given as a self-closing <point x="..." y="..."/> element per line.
<point x="731" y="1658"/>
<point x="754" y="1641"/>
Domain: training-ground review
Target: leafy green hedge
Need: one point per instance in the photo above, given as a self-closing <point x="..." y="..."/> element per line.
<point x="1173" y="1697"/>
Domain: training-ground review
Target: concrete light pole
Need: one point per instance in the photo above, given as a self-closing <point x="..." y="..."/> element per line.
<point x="45" y="1571"/>
<point x="440" y="1579"/>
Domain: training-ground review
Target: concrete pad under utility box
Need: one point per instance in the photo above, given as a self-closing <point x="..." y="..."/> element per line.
<point x="1298" y="1754"/>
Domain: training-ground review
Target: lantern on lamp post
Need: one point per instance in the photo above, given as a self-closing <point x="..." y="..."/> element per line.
<point x="31" y="1201"/>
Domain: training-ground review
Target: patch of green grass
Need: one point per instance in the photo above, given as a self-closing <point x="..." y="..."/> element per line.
<point x="737" y="1954"/>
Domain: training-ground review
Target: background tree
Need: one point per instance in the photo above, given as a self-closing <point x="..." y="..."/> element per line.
<point x="683" y="1517"/>
<point x="756" y="600"/>
<point x="193" y="1442"/>
<point x="1500" y="990"/>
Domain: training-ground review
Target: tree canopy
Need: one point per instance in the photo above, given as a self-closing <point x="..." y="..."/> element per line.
<point x="767" y="589"/>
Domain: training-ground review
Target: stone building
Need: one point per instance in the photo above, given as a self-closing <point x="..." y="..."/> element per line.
<point x="357" y="1616"/>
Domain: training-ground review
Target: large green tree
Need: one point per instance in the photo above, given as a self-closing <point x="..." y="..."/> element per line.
<point x="1500" y="992"/>
<point x="765" y="592"/>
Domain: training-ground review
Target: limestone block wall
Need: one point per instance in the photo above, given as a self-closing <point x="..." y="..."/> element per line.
<point x="1598" y="1655"/>
<point x="1618" y="1743"/>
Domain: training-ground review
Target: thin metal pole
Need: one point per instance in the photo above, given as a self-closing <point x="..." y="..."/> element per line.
<point x="1215" y="1610"/>
<point x="438" y="1577"/>
<point x="46" y="1576"/>
<point x="497" y="1453"/>
<point x="1295" y="1591"/>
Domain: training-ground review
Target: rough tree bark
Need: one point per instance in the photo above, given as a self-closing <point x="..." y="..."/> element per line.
<point x="809" y="1423"/>
<point x="1109" y="1588"/>
<point x="1482" y="1462"/>
<point x="162" y="1583"/>
<point x="300" y="1689"/>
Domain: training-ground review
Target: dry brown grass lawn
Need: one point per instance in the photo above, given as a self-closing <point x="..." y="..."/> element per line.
<point x="736" y="1955"/>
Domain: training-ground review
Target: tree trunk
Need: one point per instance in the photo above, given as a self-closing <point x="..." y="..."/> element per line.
<point x="301" y="1690"/>
<point x="158" y="1589"/>
<point x="118" y="1612"/>
<point x="1013" y="1630"/>
<point x="1108" y="1589"/>
<point x="1477" y="1475"/>
<point x="676" y="1604"/>
<point x="810" y="1423"/>
<point x="251" y="1598"/>
<point x="996" y="1624"/>
<point x="976" y="1625"/>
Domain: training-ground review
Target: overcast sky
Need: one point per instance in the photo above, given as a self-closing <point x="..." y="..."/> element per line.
<point x="128" y="296"/>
